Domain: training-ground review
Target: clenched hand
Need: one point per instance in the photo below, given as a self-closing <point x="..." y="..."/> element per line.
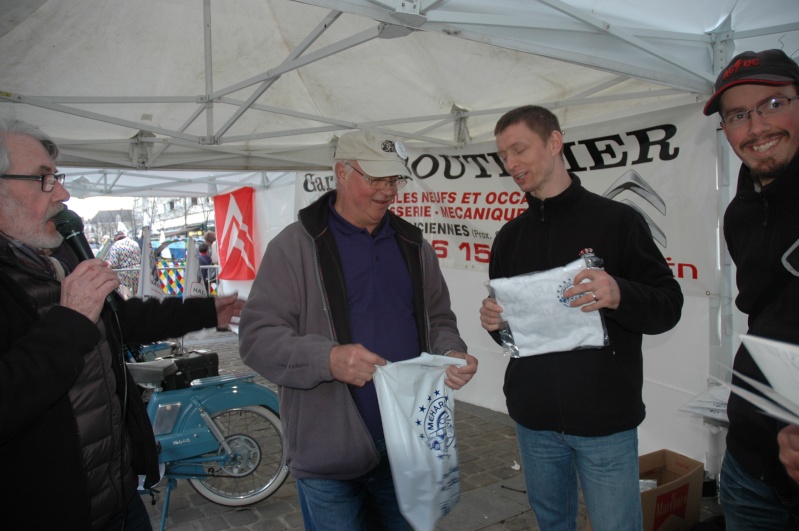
<point x="353" y="364"/>
<point x="85" y="289"/>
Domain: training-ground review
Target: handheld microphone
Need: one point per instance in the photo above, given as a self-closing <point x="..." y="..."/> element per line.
<point x="70" y="226"/>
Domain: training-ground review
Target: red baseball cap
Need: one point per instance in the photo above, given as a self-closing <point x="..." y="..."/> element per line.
<point x="769" y="67"/>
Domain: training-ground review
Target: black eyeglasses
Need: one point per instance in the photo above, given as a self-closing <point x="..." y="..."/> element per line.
<point x="48" y="179"/>
<point x="382" y="183"/>
<point x="773" y="106"/>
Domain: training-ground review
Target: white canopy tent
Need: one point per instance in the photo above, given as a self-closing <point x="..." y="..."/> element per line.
<point x="200" y="97"/>
<point x="265" y="85"/>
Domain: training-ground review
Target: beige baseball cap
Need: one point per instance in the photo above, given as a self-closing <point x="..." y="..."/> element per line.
<point x="378" y="155"/>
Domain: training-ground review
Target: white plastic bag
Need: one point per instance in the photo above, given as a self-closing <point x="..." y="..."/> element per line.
<point x="419" y="428"/>
<point x="539" y="316"/>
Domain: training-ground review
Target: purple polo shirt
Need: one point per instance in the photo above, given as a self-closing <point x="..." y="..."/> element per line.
<point x="380" y="301"/>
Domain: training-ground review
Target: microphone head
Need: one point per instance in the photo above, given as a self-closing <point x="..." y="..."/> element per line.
<point x="68" y="222"/>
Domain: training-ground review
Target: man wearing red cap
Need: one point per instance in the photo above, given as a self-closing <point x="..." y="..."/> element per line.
<point x="756" y="97"/>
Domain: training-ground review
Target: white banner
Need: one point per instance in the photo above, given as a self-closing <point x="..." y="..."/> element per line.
<point x="310" y="186"/>
<point x="662" y="164"/>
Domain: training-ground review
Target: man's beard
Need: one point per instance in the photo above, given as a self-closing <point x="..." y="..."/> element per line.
<point x="19" y="226"/>
<point x="41" y="240"/>
<point x="769" y="173"/>
<point x="51" y="243"/>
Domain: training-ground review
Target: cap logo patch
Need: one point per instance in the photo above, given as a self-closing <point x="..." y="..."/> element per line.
<point x="740" y="63"/>
<point x="389" y="146"/>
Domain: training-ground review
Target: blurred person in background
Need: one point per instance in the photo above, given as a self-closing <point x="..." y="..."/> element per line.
<point x="213" y="250"/>
<point x="126" y="254"/>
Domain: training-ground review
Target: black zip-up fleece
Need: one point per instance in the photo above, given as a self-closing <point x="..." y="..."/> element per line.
<point x="593" y="392"/>
<point x="759" y="227"/>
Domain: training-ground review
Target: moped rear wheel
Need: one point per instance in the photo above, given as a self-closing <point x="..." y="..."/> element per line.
<point x="258" y="467"/>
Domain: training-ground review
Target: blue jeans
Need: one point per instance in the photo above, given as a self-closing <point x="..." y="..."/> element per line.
<point x="607" y="468"/>
<point x="749" y="504"/>
<point x="365" y="503"/>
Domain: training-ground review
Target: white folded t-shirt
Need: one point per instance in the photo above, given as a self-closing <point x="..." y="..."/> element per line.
<point x="540" y="318"/>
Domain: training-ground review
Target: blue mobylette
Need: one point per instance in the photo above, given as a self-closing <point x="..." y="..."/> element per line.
<point x="222" y="434"/>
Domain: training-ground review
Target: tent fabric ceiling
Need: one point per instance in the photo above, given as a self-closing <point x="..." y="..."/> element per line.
<point x="252" y="86"/>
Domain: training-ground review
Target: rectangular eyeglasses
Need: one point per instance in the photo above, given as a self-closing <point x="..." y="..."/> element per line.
<point x="382" y="183"/>
<point x="48" y="180"/>
<point x="771" y="107"/>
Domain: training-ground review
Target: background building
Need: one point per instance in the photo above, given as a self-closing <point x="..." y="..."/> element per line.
<point x="105" y="223"/>
<point x="176" y="216"/>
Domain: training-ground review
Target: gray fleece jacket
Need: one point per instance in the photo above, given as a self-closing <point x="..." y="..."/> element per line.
<point x="297" y="312"/>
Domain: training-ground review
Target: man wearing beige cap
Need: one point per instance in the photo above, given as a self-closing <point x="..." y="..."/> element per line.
<point x="756" y="98"/>
<point x="347" y="287"/>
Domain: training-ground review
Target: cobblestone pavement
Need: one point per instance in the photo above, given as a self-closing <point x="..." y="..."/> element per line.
<point x="492" y="488"/>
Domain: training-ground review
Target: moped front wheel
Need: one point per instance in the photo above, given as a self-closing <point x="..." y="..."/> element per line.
<point x="257" y="467"/>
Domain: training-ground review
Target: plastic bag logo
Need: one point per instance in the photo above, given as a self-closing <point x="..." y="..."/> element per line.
<point x="438" y="429"/>
<point x="566" y="301"/>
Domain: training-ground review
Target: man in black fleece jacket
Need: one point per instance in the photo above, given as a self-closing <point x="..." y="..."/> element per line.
<point x="756" y="98"/>
<point x="577" y="411"/>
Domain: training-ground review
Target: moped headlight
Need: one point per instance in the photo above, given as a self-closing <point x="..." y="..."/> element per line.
<point x="165" y="417"/>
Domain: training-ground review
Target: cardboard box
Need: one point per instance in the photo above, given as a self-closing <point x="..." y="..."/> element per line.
<point x="675" y="503"/>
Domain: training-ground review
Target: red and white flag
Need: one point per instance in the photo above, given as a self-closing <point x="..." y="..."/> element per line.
<point x="233" y="213"/>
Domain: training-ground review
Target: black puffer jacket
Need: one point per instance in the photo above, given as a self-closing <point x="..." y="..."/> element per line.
<point x="60" y="404"/>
